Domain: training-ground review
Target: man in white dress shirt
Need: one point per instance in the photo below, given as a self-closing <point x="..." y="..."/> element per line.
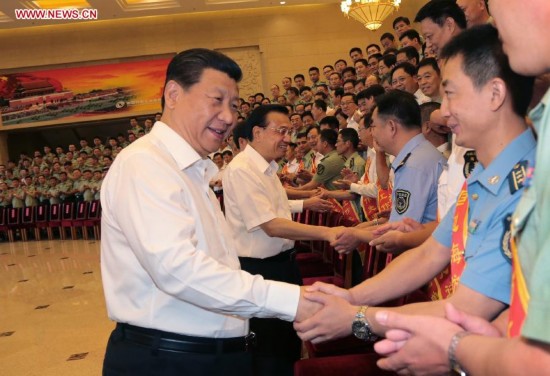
<point x="259" y="216"/>
<point x="171" y="275"/>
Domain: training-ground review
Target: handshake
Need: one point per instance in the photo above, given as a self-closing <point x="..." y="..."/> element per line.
<point x="325" y="312"/>
<point x="386" y="238"/>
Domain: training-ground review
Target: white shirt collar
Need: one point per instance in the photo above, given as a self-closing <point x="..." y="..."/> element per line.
<point x="268" y="168"/>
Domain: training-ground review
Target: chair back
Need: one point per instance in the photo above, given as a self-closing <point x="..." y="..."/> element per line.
<point x="55" y="212"/>
<point x="28" y="215"/>
<point x="94" y="209"/>
<point x="81" y="210"/>
<point x="14" y="216"/>
<point x="41" y="213"/>
<point x="67" y="212"/>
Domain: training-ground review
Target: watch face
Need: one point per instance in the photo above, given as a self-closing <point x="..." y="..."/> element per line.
<point x="359" y="329"/>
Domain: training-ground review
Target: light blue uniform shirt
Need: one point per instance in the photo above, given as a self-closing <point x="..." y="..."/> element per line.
<point x="416" y="168"/>
<point x="493" y="194"/>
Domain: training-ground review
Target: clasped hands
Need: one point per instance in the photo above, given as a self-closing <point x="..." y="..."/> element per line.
<point x="385" y="238"/>
<point x="327" y="313"/>
<point x="414" y="344"/>
<point x="419" y="345"/>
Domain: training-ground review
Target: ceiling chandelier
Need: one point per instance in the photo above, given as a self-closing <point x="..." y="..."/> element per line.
<point x="371" y="13"/>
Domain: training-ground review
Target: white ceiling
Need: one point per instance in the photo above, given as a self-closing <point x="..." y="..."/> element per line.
<point x="117" y="9"/>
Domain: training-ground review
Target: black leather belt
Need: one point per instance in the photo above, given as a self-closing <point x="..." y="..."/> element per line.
<point x="286" y="256"/>
<point x="181" y="343"/>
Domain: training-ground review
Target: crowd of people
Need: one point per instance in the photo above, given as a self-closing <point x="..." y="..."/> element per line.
<point x="64" y="174"/>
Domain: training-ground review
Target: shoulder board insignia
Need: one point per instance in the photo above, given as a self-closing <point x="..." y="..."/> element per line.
<point x="403" y="162"/>
<point x="352" y="162"/>
<point x="402" y="200"/>
<point x="470" y="162"/>
<point x="517" y="176"/>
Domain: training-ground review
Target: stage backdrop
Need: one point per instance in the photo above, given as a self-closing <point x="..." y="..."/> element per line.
<point x="79" y="94"/>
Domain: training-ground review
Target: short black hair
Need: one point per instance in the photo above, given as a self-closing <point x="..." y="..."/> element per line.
<point x="401" y="19"/>
<point x="411" y="34"/>
<point x="429" y="61"/>
<point x="258" y="117"/>
<point x="313" y="69"/>
<point x="321" y="93"/>
<point x="186" y="67"/>
<point x="331" y="121"/>
<point x="373" y="45"/>
<point x="371" y="91"/>
<point x="400" y="105"/>
<point x="439" y="10"/>
<point x="306" y="113"/>
<point x="350" y="134"/>
<point x="363" y="61"/>
<point x="355" y="49"/>
<point x="389" y="60"/>
<point x="350" y="95"/>
<point x="349" y="80"/>
<point x="349" y="69"/>
<point x="330" y="136"/>
<point x="484" y="59"/>
<point x="378" y="56"/>
<point x="321" y="104"/>
<point x="426" y="110"/>
<point x="239" y="132"/>
<point x="299" y="75"/>
<point x="311" y="127"/>
<point x="305" y="88"/>
<point x="387" y="35"/>
<point x="341" y="60"/>
<point x="410" y="52"/>
<point x="294" y="90"/>
<point x="407" y="67"/>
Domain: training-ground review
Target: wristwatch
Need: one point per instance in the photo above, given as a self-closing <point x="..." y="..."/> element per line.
<point x="361" y="327"/>
<point x="456" y="368"/>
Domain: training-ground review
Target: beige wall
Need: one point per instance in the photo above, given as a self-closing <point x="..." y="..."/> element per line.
<point x="290" y="39"/>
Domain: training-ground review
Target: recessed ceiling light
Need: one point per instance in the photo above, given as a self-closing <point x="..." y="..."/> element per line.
<point x="282" y="2"/>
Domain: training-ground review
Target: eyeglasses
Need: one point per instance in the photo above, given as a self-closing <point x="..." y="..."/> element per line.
<point x="400" y="80"/>
<point x="283" y="131"/>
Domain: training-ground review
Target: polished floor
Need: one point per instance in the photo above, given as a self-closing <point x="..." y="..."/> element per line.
<point x="53" y="320"/>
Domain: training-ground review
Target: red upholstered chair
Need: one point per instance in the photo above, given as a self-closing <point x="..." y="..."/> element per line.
<point x="340" y="274"/>
<point x="345" y="365"/>
<point x="54" y="221"/>
<point x="80" y="215"/>
<point x="311" y="258"/>
<point x="93" y="220"/>
<point x="4" y="223"/>
<point x="67" y="216"/>
<point x="40" y="220"/>
<point x="13" y="222"/>
<point x="27" y="221"/>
